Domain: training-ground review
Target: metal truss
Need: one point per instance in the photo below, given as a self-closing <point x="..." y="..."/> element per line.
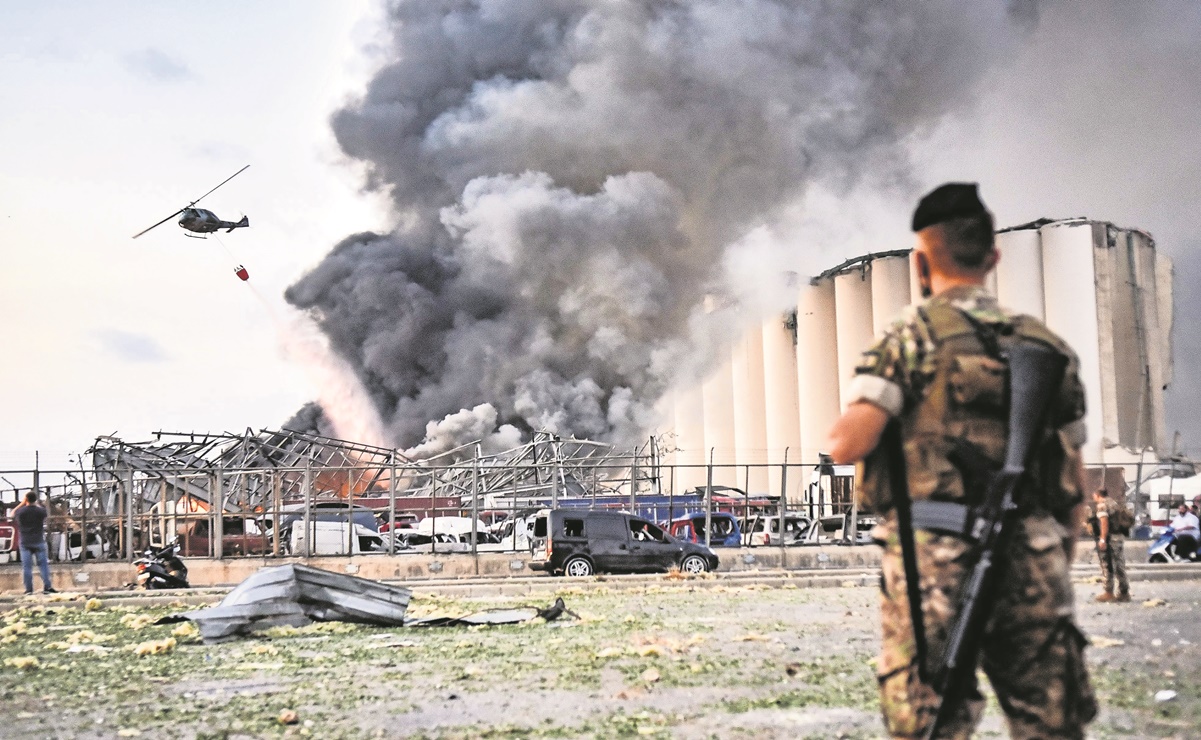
<point x="250" y="471"/>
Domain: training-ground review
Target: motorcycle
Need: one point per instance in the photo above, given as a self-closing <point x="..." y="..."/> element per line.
<point x="162" y="568"/>
<point x="1168" y="548"/>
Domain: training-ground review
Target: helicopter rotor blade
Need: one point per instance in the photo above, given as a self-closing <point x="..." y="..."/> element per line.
<point x="160" y="223"/>
<point x="218" y="185"/>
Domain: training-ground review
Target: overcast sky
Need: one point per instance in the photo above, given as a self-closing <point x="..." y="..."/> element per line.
<point x="116" y="114"/>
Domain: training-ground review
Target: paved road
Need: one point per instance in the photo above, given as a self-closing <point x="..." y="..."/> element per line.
<point x="539" y="584"/>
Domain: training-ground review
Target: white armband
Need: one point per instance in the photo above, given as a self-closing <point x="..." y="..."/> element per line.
<point x="877" y="391"/>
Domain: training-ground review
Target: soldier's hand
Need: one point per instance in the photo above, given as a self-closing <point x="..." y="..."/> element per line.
<point x="1101" y="544"/>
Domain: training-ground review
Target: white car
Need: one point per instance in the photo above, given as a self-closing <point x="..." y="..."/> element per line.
<point x="761" y="531"/>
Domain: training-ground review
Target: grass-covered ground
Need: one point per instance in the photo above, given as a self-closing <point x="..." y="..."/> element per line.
<point x="663" y="661"/>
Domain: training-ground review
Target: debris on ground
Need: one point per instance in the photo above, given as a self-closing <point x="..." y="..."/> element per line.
<point x="291" y="596"/>
<point x="1104" y="642"/>
<point x="296" y="595"/>
<point x="1165" y="695"/>
<point x="185" y="630"/>
<point x="154" y="647"/>
<point x="24" y="663"/>
<point x="497" y="616"/>
<point x="136" y="621"/>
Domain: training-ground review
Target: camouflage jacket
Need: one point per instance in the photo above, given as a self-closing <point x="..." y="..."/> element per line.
<point x="1099" y="509"/>
<point x="897" y="374"/>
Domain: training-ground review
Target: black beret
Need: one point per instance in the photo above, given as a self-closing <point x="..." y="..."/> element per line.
<point x="945" y="202"/>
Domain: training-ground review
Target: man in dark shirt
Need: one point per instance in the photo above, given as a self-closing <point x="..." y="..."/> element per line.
<point x="30" y="521"/>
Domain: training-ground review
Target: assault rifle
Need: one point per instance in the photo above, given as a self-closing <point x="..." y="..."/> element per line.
<point x="1035" y="374"/>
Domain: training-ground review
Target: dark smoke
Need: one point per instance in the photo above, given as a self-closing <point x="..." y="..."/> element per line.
<point x="567" y="175"/>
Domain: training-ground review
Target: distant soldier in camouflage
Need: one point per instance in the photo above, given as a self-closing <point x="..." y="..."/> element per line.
<point x="1111" y="546"/>
<point x="939" y="369"/>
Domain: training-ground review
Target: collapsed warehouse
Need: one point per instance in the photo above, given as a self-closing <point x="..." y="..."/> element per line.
<point x="279" y="493"/>
<point x="261" y="479"/>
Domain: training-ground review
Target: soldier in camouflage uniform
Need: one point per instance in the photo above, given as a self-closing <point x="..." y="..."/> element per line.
<point x="937" y="369"/>
<point x="1111" y="548"/>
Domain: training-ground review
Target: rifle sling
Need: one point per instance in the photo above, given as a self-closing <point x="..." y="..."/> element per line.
<point x="901" y="502"/>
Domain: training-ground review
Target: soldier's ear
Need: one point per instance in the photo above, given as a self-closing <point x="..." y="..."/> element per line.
<point x="922" y="261"/>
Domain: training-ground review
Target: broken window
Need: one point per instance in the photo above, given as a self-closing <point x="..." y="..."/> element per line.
<point x="646" y="532"/>
<point x="573" y="527"/>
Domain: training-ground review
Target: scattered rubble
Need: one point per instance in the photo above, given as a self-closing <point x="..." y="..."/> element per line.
<point x="1105" y="642"/>
<point x="293" y="595"/>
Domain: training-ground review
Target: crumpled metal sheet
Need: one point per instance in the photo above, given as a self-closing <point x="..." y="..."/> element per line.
<point x="296" y="595"/>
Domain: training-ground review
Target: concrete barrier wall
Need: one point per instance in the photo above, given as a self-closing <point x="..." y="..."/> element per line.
<point x="107" y="576"/>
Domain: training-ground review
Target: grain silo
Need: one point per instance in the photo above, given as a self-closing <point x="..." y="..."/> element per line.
<point x="1102" y="287"/>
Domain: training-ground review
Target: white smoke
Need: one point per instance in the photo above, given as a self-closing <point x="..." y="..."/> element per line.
<point x="463" y="427"/>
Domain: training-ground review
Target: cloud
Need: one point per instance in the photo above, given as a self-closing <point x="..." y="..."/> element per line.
<point x="131" y="347"/>
<point x="156" y="65"/>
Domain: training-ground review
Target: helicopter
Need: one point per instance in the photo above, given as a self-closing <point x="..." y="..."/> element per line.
<point x="201" y="220"/>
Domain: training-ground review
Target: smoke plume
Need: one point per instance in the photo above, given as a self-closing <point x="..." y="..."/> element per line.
<point x="568" y="175"/>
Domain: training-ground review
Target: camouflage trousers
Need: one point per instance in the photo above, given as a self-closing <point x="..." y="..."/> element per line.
<point x="1113" y="563"/>
<point x="1032" y="652"/>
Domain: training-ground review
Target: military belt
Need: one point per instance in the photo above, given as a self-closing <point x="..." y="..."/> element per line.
<point x="945" y="517"/>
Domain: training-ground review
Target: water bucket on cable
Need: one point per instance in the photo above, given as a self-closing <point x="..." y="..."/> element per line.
<point x="242" y="273"/>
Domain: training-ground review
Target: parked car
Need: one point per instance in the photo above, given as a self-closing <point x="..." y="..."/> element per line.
<point x="333" y="537"/>
<point x="516" y="532"/>
<point x="578" y="542"/>
<point x="440" y="542"/>
<point x="239" y="536"/>
<point x="831" y="530"/>
<point x="453" y="534"/>
<point x="331" y="525"/>
<point x="765" y="530"/>
<point x="495" y="520"/>
<point x="8" y="542"/>
<point x="68" y="545"/>
<point x="187" y="521"/>
<point x="404" y="521"/>
<point x="691" y="528"/>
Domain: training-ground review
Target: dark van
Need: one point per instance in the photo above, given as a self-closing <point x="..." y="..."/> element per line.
<point x="579" y="542"/>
